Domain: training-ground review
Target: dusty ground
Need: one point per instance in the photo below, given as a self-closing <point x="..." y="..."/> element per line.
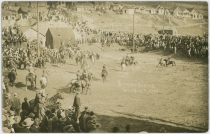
<point x="144" y="96"/>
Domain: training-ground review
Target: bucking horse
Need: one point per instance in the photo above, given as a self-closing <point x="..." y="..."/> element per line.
<point x="48" y="104"/>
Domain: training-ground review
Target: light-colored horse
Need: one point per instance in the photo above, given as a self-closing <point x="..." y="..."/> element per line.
<point x="32" y="79"/>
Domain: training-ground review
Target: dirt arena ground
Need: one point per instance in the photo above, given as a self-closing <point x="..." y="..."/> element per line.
<point x="147" y="97"/>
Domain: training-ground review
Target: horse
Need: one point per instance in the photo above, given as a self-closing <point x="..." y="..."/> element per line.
<point x="12" y="76"/>
<point x="104" y="74"/>
<point x="173" y="63"/>
<point x="162" y="62"/>
<point x="169" y="62"/>
<point x="123" y="65"/>
<point x="80" y="85"/>
<point x="75" y="85"/>
<point x="85" y="85"/>
<point x="50" y="103"/>
<point x="43" y="82"/>
<point x="32" y="79"/>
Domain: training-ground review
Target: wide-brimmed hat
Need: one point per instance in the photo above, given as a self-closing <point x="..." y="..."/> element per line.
<point x="77" y="92"/>
<point x="11" y="113"/>
<point x="27" y="122"/>
<point x="69" y="128"/>
<point x="31" y="115"/>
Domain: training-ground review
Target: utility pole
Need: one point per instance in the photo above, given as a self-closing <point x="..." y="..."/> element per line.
<point x="38" y="29"/>
<point x="163" y="19"/>
<point x="133" y="31"/>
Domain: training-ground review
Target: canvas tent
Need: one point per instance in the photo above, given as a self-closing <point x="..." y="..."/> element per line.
<point x="57" y="36"/>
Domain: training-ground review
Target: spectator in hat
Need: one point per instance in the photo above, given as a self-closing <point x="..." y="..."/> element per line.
<point x="35" y="128"/>
<point x="91" y="121"/>
<point x="76" y="105"/>
<point x="16" y="104"/>
<point x="12" y="76"/>
<point x="68" y="129"/>
<point x="83" y="118"/>
<point x="25" y="106"/>
<point x="21" y="127"/>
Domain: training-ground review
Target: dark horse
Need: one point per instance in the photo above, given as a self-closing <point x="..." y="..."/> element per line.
<point x="169" y="62"/>
<point x="50" y="103"/>
<point x="12" y="77"/>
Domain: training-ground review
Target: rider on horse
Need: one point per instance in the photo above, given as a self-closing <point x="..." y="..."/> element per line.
<point x="31" y="69"/>
<point x="104" y="73"/>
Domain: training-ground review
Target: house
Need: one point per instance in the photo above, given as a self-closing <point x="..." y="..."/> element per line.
<point x="62" y="4"/>
<point x="200" y="16"/>
<point x="13" y="8"/>
<point x="129" y="11"/>
<point x="9" y="15"/>
<point x="151" y="10"/>
<point x="23" y="12"/>
<point x="160" y="10"/>
<point x="177" y="12"/>
<point x="185" y="13"/>
<point x="140" y="10"/>
<point x="167" y="12"/>
<point x="57" y="36"/>
<point x="5" y="5"/>
<point x="80" y="9"/>
<point x="116" y="7"/>
<point x="195" y="14"/>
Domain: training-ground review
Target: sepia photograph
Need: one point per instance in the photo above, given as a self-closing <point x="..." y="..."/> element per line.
<point x="104" y="67"/>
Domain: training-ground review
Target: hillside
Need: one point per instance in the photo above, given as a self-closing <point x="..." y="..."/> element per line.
<point x="144" y="23"/>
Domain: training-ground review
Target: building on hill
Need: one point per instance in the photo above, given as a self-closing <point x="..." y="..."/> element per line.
<point x="5" y="5"/>
<point x="167" y="12"/>
<point x="152" y="10"/>
<point x="57" y="36"/>
<point x="116" y="7"/>
<point x="23" y="12"/>
<point x="185" y="13"/>
<point x="14" y="8"/>
<point x="9" y="15"/>
<point x="140" y="10"/>
<point x="177" y="12"/>
<point x="160" y="10"/>
<point x="129" y="11"/>
<point x="195" y="14"/>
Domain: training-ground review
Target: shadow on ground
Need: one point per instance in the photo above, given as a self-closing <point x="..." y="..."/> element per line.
<point x="137" y="125"/>
<point x="64" y="90"/>
<point x="20" y="85"/>
<point x="179" y="56"/>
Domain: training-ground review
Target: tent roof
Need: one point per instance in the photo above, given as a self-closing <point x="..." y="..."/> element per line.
<point x="62" y="34"/>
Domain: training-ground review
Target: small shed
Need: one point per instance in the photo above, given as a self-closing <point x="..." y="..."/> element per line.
<point x="57" y="36"/>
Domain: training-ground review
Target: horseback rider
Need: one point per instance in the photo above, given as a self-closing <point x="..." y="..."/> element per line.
<point x="43" y="83"/>
<point x="78" y="74"/>
<point x="31" y="69"/>
<point x="104" y="73"/>
<point x="84" y="75"/>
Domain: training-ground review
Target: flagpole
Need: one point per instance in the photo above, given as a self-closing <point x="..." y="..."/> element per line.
<point x="133" y="31"/>
<point x="38" y="29"/>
